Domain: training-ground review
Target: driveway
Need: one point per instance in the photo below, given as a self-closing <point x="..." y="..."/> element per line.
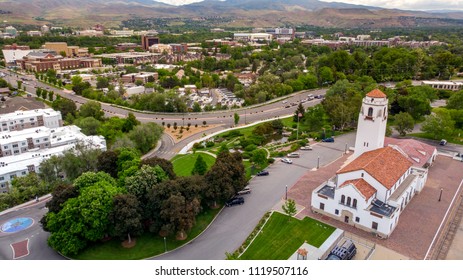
<point x="234" y="224"/>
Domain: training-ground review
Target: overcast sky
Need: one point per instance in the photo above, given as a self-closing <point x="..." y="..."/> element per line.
<point x="409" y="4"/>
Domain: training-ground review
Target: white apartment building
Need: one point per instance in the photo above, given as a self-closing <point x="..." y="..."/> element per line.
<point x="34" y="118"/>
<point x="21" y="152"/>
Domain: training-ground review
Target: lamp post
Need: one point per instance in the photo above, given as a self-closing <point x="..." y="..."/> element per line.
<point x="286" y="193"/>
<point x="245" y="115"/>
<point x="440" y="195"/>
<point x="345" y="149"/>
<point x="318" y="162"/>
<point x="165" y="244"/>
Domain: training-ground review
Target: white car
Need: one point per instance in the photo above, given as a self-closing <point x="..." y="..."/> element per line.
<point x="287" y="160"/>
<point x="306" y="148"/>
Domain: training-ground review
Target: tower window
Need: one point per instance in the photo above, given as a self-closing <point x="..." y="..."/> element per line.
<point x="370" y="112"/>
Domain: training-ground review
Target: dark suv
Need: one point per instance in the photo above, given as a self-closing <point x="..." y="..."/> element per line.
<point x="345" y="251"/>
<point x="234" y="201"/>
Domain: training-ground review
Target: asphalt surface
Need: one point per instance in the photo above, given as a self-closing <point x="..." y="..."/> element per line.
<point x="36" y="236"/>
<point x="234" y="224"/>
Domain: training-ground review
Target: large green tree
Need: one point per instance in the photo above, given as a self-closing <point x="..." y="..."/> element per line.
<point x="439" y="125"/>
<point x="226" y="177"/>
<point x="404" y="123"/>
<point x="91" y="109"/>
<point x="83" y="219"/>
<point x="125" y="217"/>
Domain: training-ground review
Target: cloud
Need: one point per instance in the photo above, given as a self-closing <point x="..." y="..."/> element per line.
<point x="408" y="4"/>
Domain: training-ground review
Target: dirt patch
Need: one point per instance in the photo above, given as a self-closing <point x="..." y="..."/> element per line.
<point x="177" y="136"/>
<point x="128" y="245"/>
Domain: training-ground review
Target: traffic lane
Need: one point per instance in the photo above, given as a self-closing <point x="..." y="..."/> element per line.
<point x="233" y="225"/>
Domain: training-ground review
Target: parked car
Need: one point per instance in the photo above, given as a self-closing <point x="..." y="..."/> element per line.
<point x="443" y="142"/>
<point x="344" y="251"/>
<point x="287" y="160"/>
<point x="263" y="173"/>
<point x="246" y="190"/>
<point x="284" y="101"/>
<point x="329" y="139"/>
<point x="294" y="155"/>
<point x="237" y="200"/>
<point x="310" y="97"/>
<point x="306" y="148"/>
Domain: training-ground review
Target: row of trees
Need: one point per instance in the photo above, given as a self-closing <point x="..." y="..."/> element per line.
<point x="125" y="196"/>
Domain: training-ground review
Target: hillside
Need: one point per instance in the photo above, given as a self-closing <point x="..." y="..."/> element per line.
<point x="85" y="13"/>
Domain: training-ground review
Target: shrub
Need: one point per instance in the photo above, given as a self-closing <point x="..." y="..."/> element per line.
<point x="210" y="144"/>
<point x="246" y="155"/>
<point x="270" y="160"/>
<point x="197" y="146"/>
<point x="250" y="148"/>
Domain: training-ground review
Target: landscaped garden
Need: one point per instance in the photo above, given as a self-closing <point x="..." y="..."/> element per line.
<point x="283" y="235"/>
<point x="184" y="164"/>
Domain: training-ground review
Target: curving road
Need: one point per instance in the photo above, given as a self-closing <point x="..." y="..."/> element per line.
<point x="225" y="119"/>
<point x="223" y="235"/>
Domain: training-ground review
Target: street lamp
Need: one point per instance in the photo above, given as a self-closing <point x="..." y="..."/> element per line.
<point x="318" y="162"/>
<point x="286" y="193"/>
<point x="440" y="195"/>
<point x="165" y="244"/>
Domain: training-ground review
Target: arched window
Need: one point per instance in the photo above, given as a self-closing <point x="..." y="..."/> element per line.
<point x="343" y="199"/>
<point x="348" y="201"/>
<point x="354" y="203"/>
<point x="370" y="112"/>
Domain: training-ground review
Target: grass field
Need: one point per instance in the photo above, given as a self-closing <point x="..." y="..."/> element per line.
<point x="147" y="245"/>
<point x="281" y="237"/>
<point x="183" y="164"/>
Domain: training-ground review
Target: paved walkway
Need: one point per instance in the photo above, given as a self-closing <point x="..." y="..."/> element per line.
<point x="419" y="222"/>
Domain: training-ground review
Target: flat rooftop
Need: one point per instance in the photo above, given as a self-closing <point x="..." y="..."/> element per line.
<point x="327" y="190"/>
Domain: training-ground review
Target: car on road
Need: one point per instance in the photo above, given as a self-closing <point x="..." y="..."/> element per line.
<point x="284" y="101"/>
<point x="246" y="190"/>
<point x="443" y="142"/>
<point x="310" y="97"/>
<point x="306" y="148"/>
<point x="263" y="173"/>
<point x="287" y="160"/>
<point x="293" y="155"/>
<point x="288" y="106"/>
<point x="237" y="200"/>
<point x="329" y="139"/>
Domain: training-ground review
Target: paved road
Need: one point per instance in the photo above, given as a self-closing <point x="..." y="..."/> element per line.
<point x="234" y="224"/>
<point x="37" y="238"/>
<point x="224" y="118"/>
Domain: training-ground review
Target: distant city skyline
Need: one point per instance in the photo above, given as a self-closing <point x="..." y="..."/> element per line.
<point x="388" y="4"/>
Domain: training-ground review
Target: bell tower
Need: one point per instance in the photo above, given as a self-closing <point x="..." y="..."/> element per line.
<point x="372" y="121"/>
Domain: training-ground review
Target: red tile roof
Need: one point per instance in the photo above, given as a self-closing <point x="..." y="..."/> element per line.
<point x="418" y="152"/>
<point x="362" y="186"/>
<point x="386" y="165"/>
<point x="376" y="93"/>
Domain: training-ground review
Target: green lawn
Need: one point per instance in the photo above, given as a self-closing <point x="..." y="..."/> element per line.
<point x="183" y="164"/>
<point x="281" y="237"/>
<point x="147" y="245"/>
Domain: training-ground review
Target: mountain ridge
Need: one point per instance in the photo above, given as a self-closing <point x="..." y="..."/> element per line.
<point x="86" y="13"/>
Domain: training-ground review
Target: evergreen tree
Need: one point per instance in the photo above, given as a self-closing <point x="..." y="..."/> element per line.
<point x="200" y="167"/>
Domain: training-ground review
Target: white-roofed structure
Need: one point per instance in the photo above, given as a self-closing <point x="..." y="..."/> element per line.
<point x="448" y="85"/>
<point x="33" y="118"/>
